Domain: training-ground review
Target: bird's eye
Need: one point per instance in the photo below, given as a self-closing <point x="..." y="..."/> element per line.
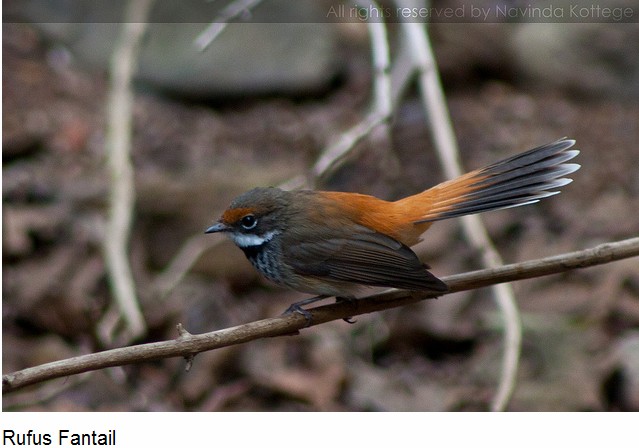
<point x="248" y="222"/>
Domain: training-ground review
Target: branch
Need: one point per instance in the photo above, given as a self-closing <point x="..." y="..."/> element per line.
<point x="382" y="108"/>
<point x="118" y="148"/>
<point x="230" y="12"/>
<point x="187" y="345"/>
<point x="189" y="253"/>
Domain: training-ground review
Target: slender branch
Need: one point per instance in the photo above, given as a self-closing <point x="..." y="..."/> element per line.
<point x="187" y="256"/>
<point x="447" y="149"/>
<point x="187" y="345"/>
<point x="347" y="140"/>
<point x="231" y="12"/>
<point x="381" y="66"/>
<point x="118" y="147"/>
<point x="382" y="96"/>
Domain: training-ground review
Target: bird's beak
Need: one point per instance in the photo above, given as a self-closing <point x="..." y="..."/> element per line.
<point x="219" y="227"/>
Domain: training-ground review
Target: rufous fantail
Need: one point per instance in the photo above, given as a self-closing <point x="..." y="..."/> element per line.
<point x="331" y="243"/>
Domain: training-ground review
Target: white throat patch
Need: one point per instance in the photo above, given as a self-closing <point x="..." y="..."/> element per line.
<point x="248" y="240"/>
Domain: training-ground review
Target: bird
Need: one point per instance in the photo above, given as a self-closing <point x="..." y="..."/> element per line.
<point x="331" y="244"/>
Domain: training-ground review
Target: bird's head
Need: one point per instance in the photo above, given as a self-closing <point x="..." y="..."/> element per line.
<point x="254" y="217"/>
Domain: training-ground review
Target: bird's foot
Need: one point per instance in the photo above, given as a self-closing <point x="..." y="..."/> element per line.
<point x="297" y="308"/>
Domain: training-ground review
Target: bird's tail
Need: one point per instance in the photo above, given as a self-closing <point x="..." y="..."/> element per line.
<point x="519" y="180"/>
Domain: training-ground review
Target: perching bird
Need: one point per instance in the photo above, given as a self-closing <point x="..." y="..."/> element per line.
<point x="330" y="243"/>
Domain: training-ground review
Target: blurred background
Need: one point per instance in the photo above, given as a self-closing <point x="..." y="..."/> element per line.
<point x="257" y="108"/>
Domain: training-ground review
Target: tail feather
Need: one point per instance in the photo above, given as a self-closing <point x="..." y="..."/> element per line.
<point x="519" y="180"/>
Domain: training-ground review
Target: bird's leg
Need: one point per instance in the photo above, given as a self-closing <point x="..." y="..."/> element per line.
<point x="297" y="308"/>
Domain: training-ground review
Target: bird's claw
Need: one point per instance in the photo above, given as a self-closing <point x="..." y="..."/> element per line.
<point x="296" y="308"/>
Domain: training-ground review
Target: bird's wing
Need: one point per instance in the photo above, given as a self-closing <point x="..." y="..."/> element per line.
<point x="365" y="257"/>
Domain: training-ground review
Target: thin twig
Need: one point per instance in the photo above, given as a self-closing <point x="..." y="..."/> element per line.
<point x="187" y="345"/>
<point x="382" y="100"/>
<point x="347" y="140"/>
<point x="381" y="66"/>
<point x="118" y="147"/>
<point x="447" y="149"/>
<point x="181" y="263"/>
<point x="231" y="12"/>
